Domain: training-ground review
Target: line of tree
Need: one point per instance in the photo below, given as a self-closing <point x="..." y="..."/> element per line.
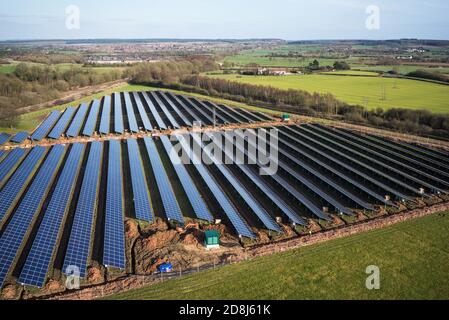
<point x="170" y="71"/>
<point x="423" y="74"/>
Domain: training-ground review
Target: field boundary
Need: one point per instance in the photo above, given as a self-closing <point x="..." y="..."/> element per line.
<point x="129" y="282"/>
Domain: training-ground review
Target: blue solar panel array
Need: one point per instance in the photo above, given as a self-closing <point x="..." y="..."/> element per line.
<point x="46" y="125"/>
<point x="197" y="202"/>
<point x="167" y="113"/>
<point x="142" y="204"/>
<point x="130" y="112"/>
<point x="34" y="271"/>
<point x="78" y="120"/>
<point x="106" y="116"/>
<point x="142" y="112"/>
<point x="181" y="115"/>
<point x="256" y="179"/>
<point x="171" y="206"/>
<point x="237" y="221"/>
<point x="118" y="114"/>
<point x="4" y="137"/>
<point x="16" y="183"/>
<point x="1" y="154"/>
<point x="10" y="162"/>
<point x="243" y="192"/>
<point x="157" y="117"/>
<point x="20" y="137"/>
<point x="62" y="123"/>
<point x="91" y="121"/>
<point x="77" y="253"/>
<point x="13" y="236"/>
<point x="114" y="233"/>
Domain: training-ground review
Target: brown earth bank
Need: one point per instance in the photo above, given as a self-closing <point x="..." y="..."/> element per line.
<point x="183" y="247"/>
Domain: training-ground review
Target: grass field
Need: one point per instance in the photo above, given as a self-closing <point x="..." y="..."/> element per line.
<point x="412" y="257"/>
<point x="352" y="73"/>
<point x="403" y="93"/>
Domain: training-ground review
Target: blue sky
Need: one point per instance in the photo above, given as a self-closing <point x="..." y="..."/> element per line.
<point x="286" y="19"/>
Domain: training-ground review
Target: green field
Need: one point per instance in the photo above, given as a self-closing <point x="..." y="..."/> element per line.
<point x="367" y="91"/>
<point x="7" y="68"/>
<point x="352" y="73"/>
<point x="412" y="257"/>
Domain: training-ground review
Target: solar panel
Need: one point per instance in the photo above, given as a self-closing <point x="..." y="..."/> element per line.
<point x="11" y="160"/>
<point x="199" y="110"/>
<point x="244" y="193"/>
<point x="339" y="188"/>
<point x="171" y="206"/>
<point x="17" y="182"/>
<point x="45" y="126"/>
<point x="211" y="109"/>
<point x="393" y="157"/>
<point x="397" y="152"/>
<point x="240" y="113"/>
<point x="231" y="117"/>
<point x="290" y="189"/>
<point x="80" y="240"/>
<point x="2" y="153"/>
<point x="157" y="117"/>
<point x="345" y="164"/>
<point x="118" y="114"/>
<point x="62" y="123"/>
<point x="235" y="113"/>
<point x="380" y="163"/>
<point x="142" y="204"/>
<point x="142" y="112"/>
<point x="194" y="196"/>
<point x="114" y="231"/>
<point x="132" y="122"/>
<point x="77" y="122"/>
<point x="167" y="113"/>
<point x="332" y="169"/>
<point x="4" y="137"/>
<point x="225" y="203"/>
<point x="13" y="237"/>
<point x="20" y="137"/>
<point x="181" y="115"/>
<point x="91" y="121"/>
<point x="254" y="116"/>
<point x="105" y="116"/>
<point x="277" y="201"/>
<point x="192" y="114"/>
<point x="34" y="271"/>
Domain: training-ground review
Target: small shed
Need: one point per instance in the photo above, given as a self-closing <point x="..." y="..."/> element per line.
<point x="286" y="117"/>
<point x="212" y="239"/>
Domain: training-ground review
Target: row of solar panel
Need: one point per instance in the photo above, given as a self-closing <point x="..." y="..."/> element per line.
<point x="135" y="111"/>
<point x="313" y="173"/>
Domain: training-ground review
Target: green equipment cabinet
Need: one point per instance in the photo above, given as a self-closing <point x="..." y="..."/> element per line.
<point x="212" y="239"/>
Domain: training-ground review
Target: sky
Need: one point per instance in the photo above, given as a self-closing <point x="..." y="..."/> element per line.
<point x="219" y="19"/>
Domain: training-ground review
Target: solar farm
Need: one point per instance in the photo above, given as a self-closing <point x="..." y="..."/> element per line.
<point x="68" y="188"/>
